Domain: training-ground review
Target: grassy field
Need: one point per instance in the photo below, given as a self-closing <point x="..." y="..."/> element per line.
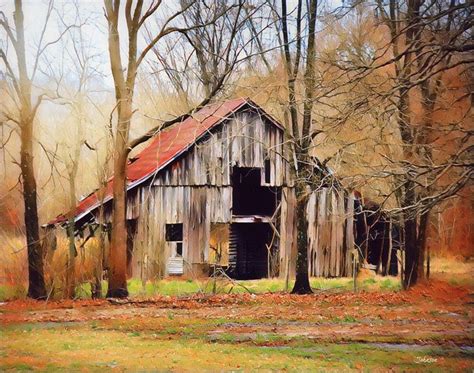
<point x="180" y="326"/>
<point x="187" y="287"/>
<point x="175" y="287"/>
<point x="98" y="346"/>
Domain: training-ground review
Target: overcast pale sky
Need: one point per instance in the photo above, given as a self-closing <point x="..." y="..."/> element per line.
<point x="35" y="12"/>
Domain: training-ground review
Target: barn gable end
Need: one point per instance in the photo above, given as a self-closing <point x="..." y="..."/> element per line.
<point x="197" y="191"/>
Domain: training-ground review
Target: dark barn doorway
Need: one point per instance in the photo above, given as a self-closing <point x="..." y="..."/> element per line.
<point x="249" y="235"/>
<point x="379" y="247"/>
<point x="248" y="254"/>
<point x="249" y="196"/>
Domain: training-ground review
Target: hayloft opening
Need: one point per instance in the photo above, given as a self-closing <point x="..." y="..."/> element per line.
<point x="249" y="196"/>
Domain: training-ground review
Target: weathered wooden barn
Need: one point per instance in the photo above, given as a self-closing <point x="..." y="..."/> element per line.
<point x="216" y="188"/>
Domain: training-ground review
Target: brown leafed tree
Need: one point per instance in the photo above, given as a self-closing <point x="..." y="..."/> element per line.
<point x="397" y="82"/>
<point x="428" y="38"/>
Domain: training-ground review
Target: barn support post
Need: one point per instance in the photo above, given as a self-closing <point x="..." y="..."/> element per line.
<point x="355" y="262"/>
<point x="70" y="286"/>
<point x="350" y="239"/>
<point x="96" y="284"/>
<point x="131" y="234"/>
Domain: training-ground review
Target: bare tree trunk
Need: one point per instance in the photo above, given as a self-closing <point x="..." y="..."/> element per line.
<point x="302" y="285"/>
<point x="421" y="243"/>
<point x="123" y="95"/>
<point x="428" y="263"/>
<point x="409" y="192"/>
<point x="118" y="248"/>
<point x="411" y="245"/>
<point x="36" y="287"/>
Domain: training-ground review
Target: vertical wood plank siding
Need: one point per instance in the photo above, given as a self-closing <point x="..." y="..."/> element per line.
<point x="288" y="233"/>
<point x="196" y="190"/>
<point x="330" y="215"/>
<point x="242" y="141"/>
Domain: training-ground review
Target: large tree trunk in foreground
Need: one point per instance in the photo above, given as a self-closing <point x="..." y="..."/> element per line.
<point x="304" y="176"/>
<point x="302" y="285"/>
<point x="118" y="248"/>
<point x="124" y="88"/>
<point x="36" y="287"/>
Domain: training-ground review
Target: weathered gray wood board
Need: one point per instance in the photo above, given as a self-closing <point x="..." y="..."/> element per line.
<point x="330" y="233"/>
<point x="288" y="233"/>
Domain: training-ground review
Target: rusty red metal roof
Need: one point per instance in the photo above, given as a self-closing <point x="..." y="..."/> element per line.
<point x="165" y="147"/>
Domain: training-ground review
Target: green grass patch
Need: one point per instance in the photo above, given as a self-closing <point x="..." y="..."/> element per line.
<point x="345" y="319"/>
<point x="392" y="284"/>
<point x="11" y="292"/>
<point x="83" y="348"/>
<point x="179" y="287"/>
<point x="370" y="281"/>
<point x="137" y="288"/>
<point x="21" y="367"/>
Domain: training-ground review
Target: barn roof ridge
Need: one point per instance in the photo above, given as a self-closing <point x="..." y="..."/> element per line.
<point x="164" y="149"/>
